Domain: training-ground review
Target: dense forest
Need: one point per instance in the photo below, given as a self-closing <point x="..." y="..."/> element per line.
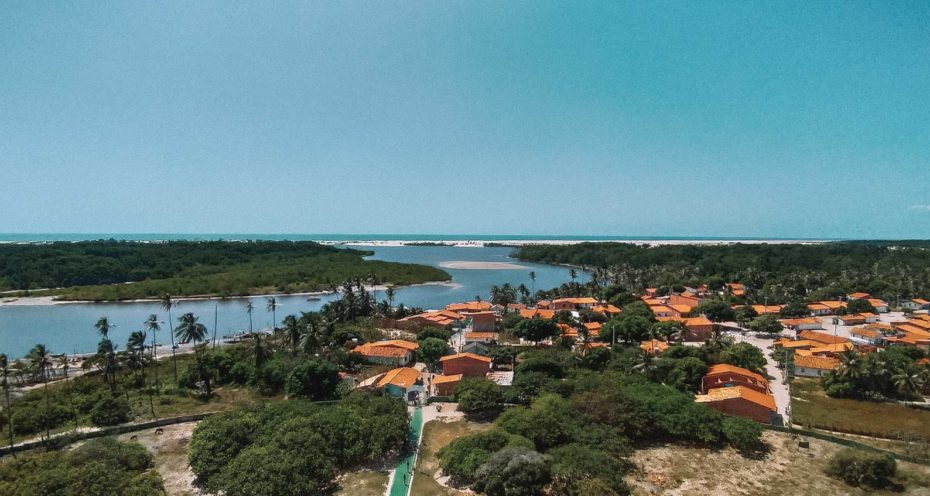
<point x="777" y="272"/>
<point x="116" y="270"/>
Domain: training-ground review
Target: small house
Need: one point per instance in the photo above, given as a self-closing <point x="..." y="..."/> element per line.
<point x="466" y="364"/>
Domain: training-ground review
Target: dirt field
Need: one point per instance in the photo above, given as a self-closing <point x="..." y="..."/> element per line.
<point x="785" y="470"/>
<point x="436" y="434"/>
<point x="170" y="452"/>
<point x="363" y="483"/>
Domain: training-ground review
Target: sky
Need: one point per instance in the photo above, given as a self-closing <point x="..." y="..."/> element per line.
<point x="762" y="119"/>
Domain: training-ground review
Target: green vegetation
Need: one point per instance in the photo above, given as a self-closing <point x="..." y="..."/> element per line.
<point x="878" y="376"/>
<point x="100" y="466"/>
<point x="121" y="270"/>
<point x="861" y="468"/>
<point x="777" y="273"/>
<point x="294" y="447"/>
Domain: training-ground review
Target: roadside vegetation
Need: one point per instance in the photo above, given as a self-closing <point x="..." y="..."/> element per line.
<point x="123" y="270"/>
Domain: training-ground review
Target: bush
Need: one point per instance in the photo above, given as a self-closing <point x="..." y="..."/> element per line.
<point x="861" y="468"/>
<point x="742" y="434"/>
<point x="314" y="379"/>
<point x="462" y="458"/>
<point x="516" y="471"/>
<point x="479" y="398"/>
<point x="110" y="410"/>
<point x="273" y="376"/>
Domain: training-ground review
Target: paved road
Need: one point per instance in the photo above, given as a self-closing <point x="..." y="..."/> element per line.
<point x="776" y="381"/>
<point x="401" y="478"/>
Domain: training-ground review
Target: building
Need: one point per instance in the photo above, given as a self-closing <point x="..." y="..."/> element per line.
<point x="687" y="300"/>
<point x="476" y="348"/>
<point x="440" y="318"/>
<point x="662" y="311"/>
<point x="653" y="346"/>
<point x="466" y="364"/>
<point x="444" y="385"/>
<point x="542" y="313"/>
<point x="403" y="382"/>
<point x="821" y="337"/>
<point x="832" y="350"/>
<point x="814" y="366"/>
<point x="736" y="289"/>
<point x="697" y="328"/>
<point x="607" y="310"/>
<point x="880" y="306"/>
<point x="740" y="401"/>
<point x="916" y="304"/>
<point x="819" y="309"/>
<point x="482" y="321"/>
<point x="802" y="324"/>
<point x="395" y="352"/>
<point x="480" y="337"/>
<point x="866" y="335"/>
<point x="724" y="376"/>
<point x="852" y="320"/>
<point x="469" y="306"/>
<point x="767" y="309"/>
<point x="800" y="344"/>
<point x="858" y="296"/>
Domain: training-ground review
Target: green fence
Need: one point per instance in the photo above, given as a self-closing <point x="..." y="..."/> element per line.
<point x="823" y="436"/>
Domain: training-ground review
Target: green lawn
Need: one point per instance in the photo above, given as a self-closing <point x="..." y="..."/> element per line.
<point x="437" y="434"/>
<point x="811" y="407"/>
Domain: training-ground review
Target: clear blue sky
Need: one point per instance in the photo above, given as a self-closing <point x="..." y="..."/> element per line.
<point x="794" y="119"/>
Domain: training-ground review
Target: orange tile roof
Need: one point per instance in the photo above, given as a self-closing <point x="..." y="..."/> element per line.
<point x="402" y="377"/>
<point x="394" y="348"/>
<point x="801" y="343"/>
<point x="797" y="322"/>
<point x="921" y="301"/>
<point x="865" y="332"/>
<point x="912" y="329"/>
<point x="660" y="309"/>
<point x="821" y="337"/>
<point x="529" y="313"/>
<point x="727" y="393"/>
<point x="682" y="309"/>
<point x="814" y="362"/>
<point x="859" y="295"/>
<point x="445" y="379"/>
<point x="480" y="335"/>
<point x="609" y="309"/>
<point x="465" y="355"/>
<point x="652" y="302"/>
<point x="817" y="306"/>
<point x="469" y="306"/>
<point x="923" y="324"/>
<point x="593" y="326"/>
<point x="653" y="346"/>
<point x="725" y="368"/>
<point x="833" y="305"/>
<point x="697" y="321"/>
<point x="762" y="309"/>
<point x="875" y="302"/>
<point x="833" y="348"/>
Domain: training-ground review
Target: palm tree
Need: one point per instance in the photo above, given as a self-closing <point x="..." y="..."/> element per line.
<point x="152" y="324"/>
<point x="65" y="366"/>
<point x="291" y="333"/>
<point x="5" y="372"/>
<point x="851" y="367"/>
<point x="259" y="349"/>
<point x="272" y="306"/>
<point x="909" y="380"/>
<point x="190" y="329"/>
<point x="40" y="357"/>
<point x="310" y="337"/>
<point x="106" y="359"/>
<point x="249" y="308"/>
<point x="389" y="294"/>
<point x="167" y="303"/>
<point x="103" y="326"/>
<point x="718" y="340"/>
<point x="573" y="274"/>
<point x="136" y="348"/>
<point x="533" y="281"/>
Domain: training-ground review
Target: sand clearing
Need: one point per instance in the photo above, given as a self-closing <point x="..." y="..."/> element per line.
<point x="480" y="265"/>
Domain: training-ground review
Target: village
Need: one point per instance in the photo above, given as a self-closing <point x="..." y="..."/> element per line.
<point x="808" y="346"/>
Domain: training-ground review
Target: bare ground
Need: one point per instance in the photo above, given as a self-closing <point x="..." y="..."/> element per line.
<point x="170" y="452"/>
<point x="785" y="470"/>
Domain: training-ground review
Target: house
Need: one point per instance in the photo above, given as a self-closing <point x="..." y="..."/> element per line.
<point x="482" y="321"/>
<point x="653" y="346"/>
<point x="515" y="307"/>
<point x="543" y="313"/>
<point x="819" y="309"/>
<point x="916" y="304"/>
<point x="562" y="304"/>
<point x="736" y="289"/>
<point x="394" y="352"/>
<point x="681" y="310"/>
<point x="676" y="299"/>
<point x="851" y="320"/>
<point x="858" y="296"/>
<point x="832" y="350"/>
<point x="444" y="385"/>
<point x="821" y="337"/>
<point x="663" y="311"/>
<point x="724" y="375"/>
<point x="880" y="306"/>
<point x="480" y="337"/>
<point x="608" y="310"/>
<point x="866" y="335"/>
<point x="697" y="328"/>
<point x="469" y="306"/>
<point x="814" y="366"/>
<point x="441" y="318"/>
<point x="594" y="328"/>
<point x="403" y="382"/>
<point x="467" y="364"/>
<point x="800" y="344"/>
<point x="834" y="306"/>
<point x="476" y="348"/>
<point x="740" y="401"/>
<point x="802" y="324"/>
<point x="567" y="331"/>
<point x="767" y="309"/>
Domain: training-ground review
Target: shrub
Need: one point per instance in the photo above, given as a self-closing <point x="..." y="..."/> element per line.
<point x="314" y="379"/>
<point x="860" y="468"/>
<point x="479" y="398"/>
<point x="516" y="471"/>
<point x="110" y="410"/>
<point x="742" y="434"/>
<point x="462" y="458"/>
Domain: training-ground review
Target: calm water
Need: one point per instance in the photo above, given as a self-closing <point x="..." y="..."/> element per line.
<point x="69" y="328"/>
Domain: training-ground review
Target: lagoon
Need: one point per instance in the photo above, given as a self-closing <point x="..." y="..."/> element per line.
<point x="69" y="327"/>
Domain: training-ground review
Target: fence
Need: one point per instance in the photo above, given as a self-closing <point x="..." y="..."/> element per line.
<point x="823" y="436"/>
<point x="71" y="437"/>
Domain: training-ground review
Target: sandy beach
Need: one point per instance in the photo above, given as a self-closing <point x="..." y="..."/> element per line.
<point x="479" y="243"/>
<point x="460" y="264"/>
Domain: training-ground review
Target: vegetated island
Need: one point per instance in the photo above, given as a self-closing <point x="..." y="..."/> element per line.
<point x="778" y="272"/>
<point x="109" y="270"/>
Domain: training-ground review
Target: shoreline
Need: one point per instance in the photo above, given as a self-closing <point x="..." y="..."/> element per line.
<point x="482" y="243"/>
<point x="34" y="301"/>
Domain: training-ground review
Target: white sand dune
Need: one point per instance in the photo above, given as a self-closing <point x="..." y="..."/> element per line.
<point x="460" y="264"/>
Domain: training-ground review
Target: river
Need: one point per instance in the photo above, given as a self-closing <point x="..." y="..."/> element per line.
<point x="69" y="328"/>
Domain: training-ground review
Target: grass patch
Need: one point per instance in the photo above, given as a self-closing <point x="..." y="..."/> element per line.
<point x="811" y="407"/>
<point x="436" y="435"/>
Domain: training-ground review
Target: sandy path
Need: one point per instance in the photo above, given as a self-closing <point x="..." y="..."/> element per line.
<point x="170" y="452"/>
